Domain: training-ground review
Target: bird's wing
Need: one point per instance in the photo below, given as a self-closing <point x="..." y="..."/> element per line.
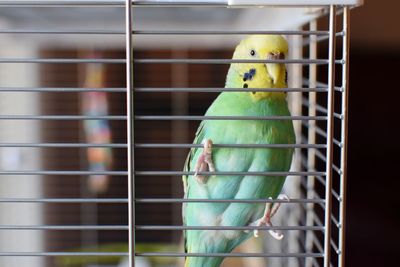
<point x="197" y="140"/>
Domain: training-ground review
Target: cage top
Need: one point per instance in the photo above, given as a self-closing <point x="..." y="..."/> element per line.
<point x="229" y="3"/>
<point x="94" y="18"/>
<point x="295" y="2"/>
<point x="108" y="15"/>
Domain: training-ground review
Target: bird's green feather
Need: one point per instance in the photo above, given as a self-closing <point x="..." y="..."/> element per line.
<point x="229" y="159"/>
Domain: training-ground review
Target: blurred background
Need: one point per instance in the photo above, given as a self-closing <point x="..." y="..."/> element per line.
<point x="372" y="219"/>
<point x="373" y="136"/>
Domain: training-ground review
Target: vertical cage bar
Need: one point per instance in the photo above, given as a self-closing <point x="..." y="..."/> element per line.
<point x="311" y="140"/>
<point x="295" y="102"/>
<point x="343" y="150"/>
<point x="130" y="131"/>
<point x="329" y="139"/>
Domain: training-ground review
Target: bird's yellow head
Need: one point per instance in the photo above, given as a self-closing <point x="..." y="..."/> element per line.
<point x="259" y="75"/>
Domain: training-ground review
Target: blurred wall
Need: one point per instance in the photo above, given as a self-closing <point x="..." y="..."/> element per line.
<point x="373" y="180"/>
<point x="375" y="25"/>
<point x="19" y="159"/>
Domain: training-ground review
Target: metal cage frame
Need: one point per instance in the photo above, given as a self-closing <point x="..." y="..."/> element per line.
<point x="328" y="249"/>
<point x="314" y="87"/>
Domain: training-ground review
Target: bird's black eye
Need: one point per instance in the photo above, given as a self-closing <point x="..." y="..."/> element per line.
<point x="252" y="52"/>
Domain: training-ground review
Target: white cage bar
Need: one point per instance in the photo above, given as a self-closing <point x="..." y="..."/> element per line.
<point x="320" y="226"/>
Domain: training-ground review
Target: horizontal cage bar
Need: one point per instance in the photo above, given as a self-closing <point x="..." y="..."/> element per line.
<point x="165" y="61"/>
<point x="157" y="3"/>
<point x="66" y="227"/>
<point x="63" y="60"/>
<point x="156" y="117"/>
<point x="158" y="90"/>
<point x="41" y="172"/>
<point x="320" y="108"/>
<point x="157" y="32"/>
<point x="200" y="200"/>
<point x="164" y="117"/>
<point x="322" y="181"/>
<point x="61" y="117"/>
<point x="315" y="218"/>
<point x="219" y="90"/>
<point x="225" y="3"/>
<point x="233" y="254"/>
<point x="63" y="145"/>
<point x="61" y="89"/>
<point x="337" y="196"/>
<point x="321" y="156"/>
<point x="335" y="247"/>
<point x="65" y="200"/>
<point x="336" y="221"/>
<point x="318" y="39"/>
<point x="322" y="133"/>
<point x="73" y="3"/>
<point x="59" y="254"/>
<point x="216" y="32"/>
<point x="180" y="173"/>
<point x="321" y="84"/>
<point x="61" y="31"/>
<point x="317" y="243"/>
<point x="222" y="228"/>
<point x="141" y="145"/>
<point x="230" y="61"/>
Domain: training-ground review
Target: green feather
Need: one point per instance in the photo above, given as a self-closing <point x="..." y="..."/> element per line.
<point x="236" y="160"/>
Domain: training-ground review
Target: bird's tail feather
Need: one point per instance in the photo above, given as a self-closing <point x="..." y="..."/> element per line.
<point x="202" y="261"/>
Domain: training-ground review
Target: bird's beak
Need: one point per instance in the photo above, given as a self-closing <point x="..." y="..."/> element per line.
<point x="275" y="69"/>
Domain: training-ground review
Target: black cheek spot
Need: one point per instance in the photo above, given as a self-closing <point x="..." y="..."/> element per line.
<point x="245" y="85"/>
<point x="286" y="77"/>
<point x="244" y="79"/>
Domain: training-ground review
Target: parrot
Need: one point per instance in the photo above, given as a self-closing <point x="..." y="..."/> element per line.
<point x="209" y="159"/>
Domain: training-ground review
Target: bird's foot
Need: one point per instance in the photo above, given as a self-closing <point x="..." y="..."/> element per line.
<point x="270" y="211"/>
<point x="204" y="162"/>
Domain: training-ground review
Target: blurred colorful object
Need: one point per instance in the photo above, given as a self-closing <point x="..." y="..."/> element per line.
<point x="96" y="131"/>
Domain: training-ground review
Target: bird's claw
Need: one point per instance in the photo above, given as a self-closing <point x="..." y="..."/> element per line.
<point x="204" y="162"/>
<point x="283" y="197"/>
<point x="270" y="211"/>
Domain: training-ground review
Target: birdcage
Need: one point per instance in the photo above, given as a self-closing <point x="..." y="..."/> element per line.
<point x="100" y="101"/>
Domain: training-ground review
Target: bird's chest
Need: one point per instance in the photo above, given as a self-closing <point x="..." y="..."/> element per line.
<point x="248" y="142"/>
<point x="249" y="155"/>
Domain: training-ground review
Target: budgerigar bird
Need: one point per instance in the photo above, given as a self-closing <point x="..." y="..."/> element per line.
<point x="239" y="159"/>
